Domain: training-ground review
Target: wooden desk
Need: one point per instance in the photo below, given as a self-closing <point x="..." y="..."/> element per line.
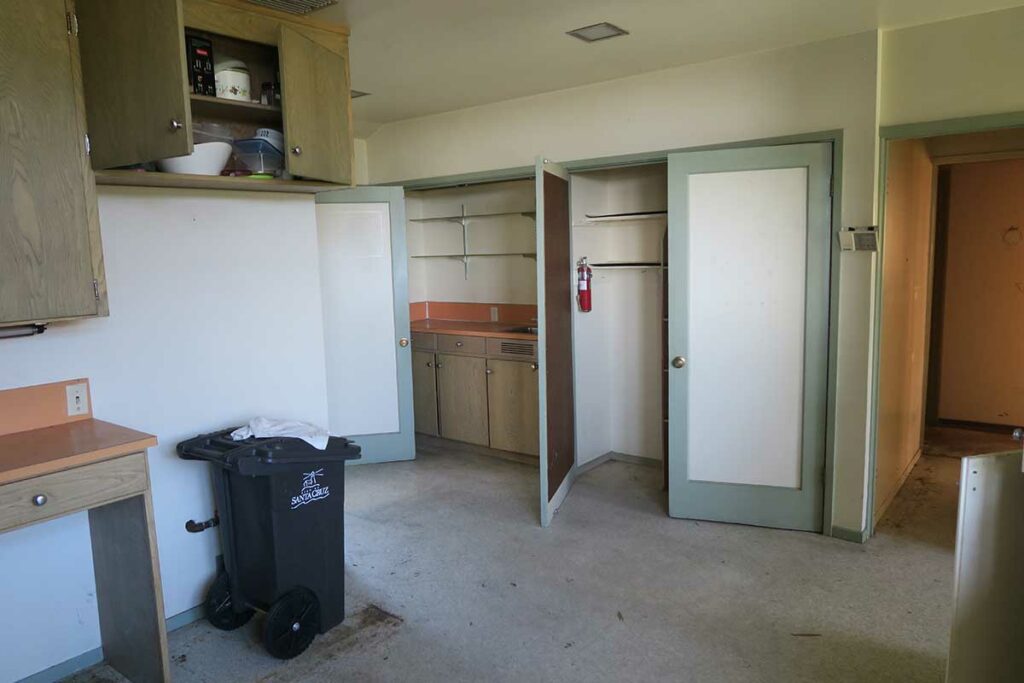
<point x="88" y="464"/>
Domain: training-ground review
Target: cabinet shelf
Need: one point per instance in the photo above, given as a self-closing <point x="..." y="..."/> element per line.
<point x="626" y="266"/>
<point x="459" y="256"/>
<point x="618" y="217"/>
<point x="235" y="110"/>
<point x="459" y="219"/>
<point x="212" y="182"/>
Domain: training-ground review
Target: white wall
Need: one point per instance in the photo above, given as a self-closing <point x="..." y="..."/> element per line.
<point x="822" y="86"/>
<point x="962" y="67"/>
<point x="214" y="317"/>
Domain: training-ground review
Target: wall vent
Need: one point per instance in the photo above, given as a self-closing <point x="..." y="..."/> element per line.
<point x="295" y="6"/>
<point x="513" y="348"/>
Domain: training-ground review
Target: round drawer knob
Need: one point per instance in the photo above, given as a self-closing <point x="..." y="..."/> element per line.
<point x="296" y="150"/>
<point x="458" y="345"/>
<point x="39" y="500"/>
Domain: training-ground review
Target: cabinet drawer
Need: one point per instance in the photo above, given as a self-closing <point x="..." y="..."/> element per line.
<point x="513" y="349"/>
<point x="72" y="490"/>
<point x="424" y="341"/>
<point x="452" y="343"/>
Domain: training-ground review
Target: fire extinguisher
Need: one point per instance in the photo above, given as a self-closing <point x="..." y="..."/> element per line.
<point x="584" y="275"/>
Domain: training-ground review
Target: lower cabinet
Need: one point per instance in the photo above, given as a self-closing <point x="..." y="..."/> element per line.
<point x="512" y="406"/>
<point x="462" y="398"/>
<point x="489" y="402"/>
<point x="424" y="392"/>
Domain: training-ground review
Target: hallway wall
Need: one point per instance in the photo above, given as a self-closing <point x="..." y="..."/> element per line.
<point x="906" y="271"/>
<point x="982" y="365"/>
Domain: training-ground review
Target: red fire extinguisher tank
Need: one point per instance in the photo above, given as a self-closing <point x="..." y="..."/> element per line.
<point x="584" y="277"/>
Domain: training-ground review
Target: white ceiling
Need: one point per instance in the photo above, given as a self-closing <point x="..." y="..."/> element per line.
<point x="420" y="57"/>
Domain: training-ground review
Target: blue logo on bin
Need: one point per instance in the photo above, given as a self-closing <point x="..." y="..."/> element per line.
<point x="311" y="489"/>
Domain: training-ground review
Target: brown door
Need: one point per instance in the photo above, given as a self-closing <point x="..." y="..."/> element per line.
<point x="554" y="289"/>
<point x="316" y="103"/>
<point x="46" y="201"/>
<point x="136" y="83"/>
<point x="462" y="398"/>
<point x="512" y="406"/>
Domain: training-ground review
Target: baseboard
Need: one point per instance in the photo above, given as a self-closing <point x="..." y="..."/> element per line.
<point x="904" y="475"/>
<point x="844" y="534"/>
<point x="560" y="494"/>
<point x="617" y="457"/>
<point x="93" y="657"/>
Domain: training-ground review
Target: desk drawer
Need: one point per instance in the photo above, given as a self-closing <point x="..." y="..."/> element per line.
<point x="424" y="341"/>
<point x="79" y="488"/>
<point x="455" y="343"/>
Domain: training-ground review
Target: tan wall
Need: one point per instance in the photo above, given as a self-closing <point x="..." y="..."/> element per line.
<point x="982" y="367"/>
<point x="962" y="67"/>
<point x="906" y="270"/>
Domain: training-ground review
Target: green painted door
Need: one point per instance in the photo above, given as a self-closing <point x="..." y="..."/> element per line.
<point x="749" y="258"/>
<point x="365" y="291"/>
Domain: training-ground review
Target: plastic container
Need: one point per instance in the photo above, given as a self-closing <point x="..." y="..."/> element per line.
<point x="281" y="504"/>
<point x="259" y="156"/>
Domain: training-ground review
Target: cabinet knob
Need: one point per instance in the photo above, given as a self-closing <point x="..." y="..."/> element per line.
<point x="458" y="345"/>
<point x="533" y="366"/>
<point x="429" y="364"/>
<point x="438" y="365"/>
<point x="39" y="500"/>
<point x="176" y="125"/>
<point x="488" y="371"/>
<point x="296" y="150"/>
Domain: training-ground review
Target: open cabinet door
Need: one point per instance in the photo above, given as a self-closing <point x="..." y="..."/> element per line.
<point x="364" y="284"/>
<point x="988" y="594"/>
<point x="749" y="247"/>
<point x="554" y="352"/>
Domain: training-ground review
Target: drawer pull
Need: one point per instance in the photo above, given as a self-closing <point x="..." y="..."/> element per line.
<point x="459" y="344"/>
<point x="39" y="500"/>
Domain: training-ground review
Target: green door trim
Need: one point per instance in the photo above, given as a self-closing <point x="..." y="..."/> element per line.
<point x="887" y="134"/>
<point x="834" y="136"/>
<point x="758" y="505"/>
<point x="400" y="445"/>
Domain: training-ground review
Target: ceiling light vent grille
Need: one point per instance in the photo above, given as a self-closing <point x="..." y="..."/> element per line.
<point x="596" y="32"/>
<point x="295" y="6"/>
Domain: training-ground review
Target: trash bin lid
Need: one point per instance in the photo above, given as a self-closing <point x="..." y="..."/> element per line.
<point x="263" y="455"/>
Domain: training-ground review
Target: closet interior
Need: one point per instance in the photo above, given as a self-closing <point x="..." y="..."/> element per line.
<point x="619" y="224"/>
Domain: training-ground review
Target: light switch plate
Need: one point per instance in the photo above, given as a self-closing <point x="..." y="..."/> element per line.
<point x="78" y="399"/>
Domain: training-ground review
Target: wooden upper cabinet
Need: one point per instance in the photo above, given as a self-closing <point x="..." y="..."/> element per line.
<point x="135" y="79"/>
<point x="50" y="257"/>
<point x="315" y="97"/>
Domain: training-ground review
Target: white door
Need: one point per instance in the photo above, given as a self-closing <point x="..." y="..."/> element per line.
<point x="366" y="320"/>
<point x="749" y="250"/>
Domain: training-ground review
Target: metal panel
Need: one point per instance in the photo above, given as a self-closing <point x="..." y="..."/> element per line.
<point x="988" y="592"/>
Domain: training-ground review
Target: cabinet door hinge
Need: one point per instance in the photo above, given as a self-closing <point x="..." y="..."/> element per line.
<point x="72" y="23"/>
<point x="96" y="289"/>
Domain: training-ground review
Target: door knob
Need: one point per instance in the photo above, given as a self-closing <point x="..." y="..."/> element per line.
<point x="176" y="125"/>
<point x="403" y="342"/>
<point x="678" y="362"/>
<point x="296" y="150"/>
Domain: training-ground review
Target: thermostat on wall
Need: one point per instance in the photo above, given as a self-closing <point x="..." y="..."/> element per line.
<point x="859" y="239"/>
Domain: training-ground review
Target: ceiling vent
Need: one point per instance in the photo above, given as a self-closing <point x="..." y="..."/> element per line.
<point x="295" y="6"/>
<point x="596" y="32"/>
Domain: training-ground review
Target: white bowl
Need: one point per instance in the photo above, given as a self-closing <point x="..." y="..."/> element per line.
<point x="209" y="158"/>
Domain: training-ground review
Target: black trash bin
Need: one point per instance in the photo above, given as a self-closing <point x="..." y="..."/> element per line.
<point x="281" y="507"/>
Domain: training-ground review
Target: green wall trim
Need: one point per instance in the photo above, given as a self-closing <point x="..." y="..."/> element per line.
<point x="967" y="124"/>
<point x="887" y="134"/>
<point x="844" y="534"/>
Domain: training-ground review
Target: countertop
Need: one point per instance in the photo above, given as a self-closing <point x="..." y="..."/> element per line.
<point x="473" y="329"/>
<point x="37" y="452"/>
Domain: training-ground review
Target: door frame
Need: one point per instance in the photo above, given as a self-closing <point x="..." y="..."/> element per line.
<point x="887" y="134"/>
<point x="835" y="138"/>
<point x="402" y="442"/>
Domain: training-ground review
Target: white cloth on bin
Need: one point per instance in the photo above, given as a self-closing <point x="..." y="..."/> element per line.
<point x="264" y="426"/>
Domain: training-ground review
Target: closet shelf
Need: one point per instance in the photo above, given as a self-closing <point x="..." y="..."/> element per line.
<point x="634" y="216"/>
<point x="459" y="219"/>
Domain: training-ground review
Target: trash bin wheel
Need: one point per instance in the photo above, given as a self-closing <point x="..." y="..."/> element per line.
<point x="292" y="623"/>
<point x="218" y="606"/>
